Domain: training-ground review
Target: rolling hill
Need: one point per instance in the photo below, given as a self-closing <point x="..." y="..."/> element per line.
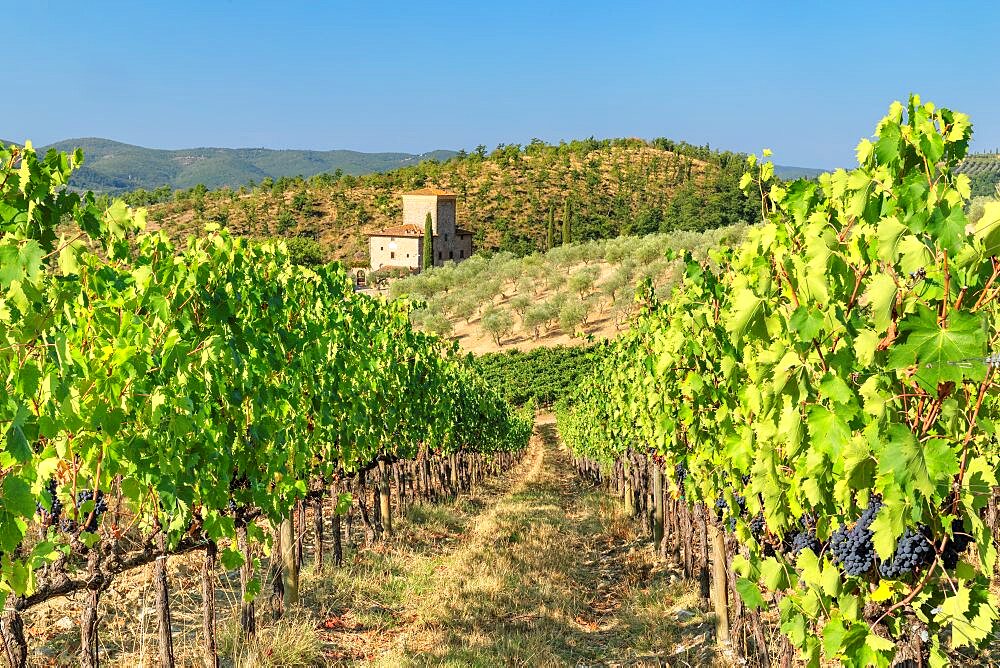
<point x="984" y="172"/>
<point x="113" y="167"/>
<point x="611" y="187"/>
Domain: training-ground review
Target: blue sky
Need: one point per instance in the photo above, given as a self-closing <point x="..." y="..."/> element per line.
<point x="807" y="79"/>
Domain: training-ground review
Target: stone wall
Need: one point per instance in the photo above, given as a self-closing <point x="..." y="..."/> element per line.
<point x="395" y="252"/>
<point x="416" y="208"/>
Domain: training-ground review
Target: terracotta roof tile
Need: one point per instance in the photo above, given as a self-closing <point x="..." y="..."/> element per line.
<point x="431" y="191"/>
<point x="400" y="231"/>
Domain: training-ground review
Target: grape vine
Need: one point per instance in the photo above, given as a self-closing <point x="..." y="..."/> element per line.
<point x="839" y="366"/>
<point x="170" y="390"/>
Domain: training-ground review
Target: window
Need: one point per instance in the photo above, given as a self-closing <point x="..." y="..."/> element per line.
<point x="440" y="255"/>
<point x="461" y="254"/>
<point x="392" y="255"/>
<point x="446" y="236"/>
<point x="381" y="248"/>
<point x="451" y="255"/>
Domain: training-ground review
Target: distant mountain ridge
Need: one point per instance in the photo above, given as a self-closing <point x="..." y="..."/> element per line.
<point x="790" y="173"/>
<point x="115" y="167"/>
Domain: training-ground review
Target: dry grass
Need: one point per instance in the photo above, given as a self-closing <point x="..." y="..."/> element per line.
<point x="530" y="570"/>
<point x="550" y="576"/>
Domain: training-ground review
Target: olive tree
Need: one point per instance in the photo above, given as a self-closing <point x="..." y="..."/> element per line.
<point x="537" y="317"/>
<point x="498" y="323"/>
<point x="572" y="314"/>
<point x="582" y="281"/>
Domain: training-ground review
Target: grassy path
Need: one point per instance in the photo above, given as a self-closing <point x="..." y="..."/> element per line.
<point x="533" y="569"/>
<point x="546" y="574"/>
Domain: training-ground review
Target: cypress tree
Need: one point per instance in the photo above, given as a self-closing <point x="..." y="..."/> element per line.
<point x="567" y="215"/>
<point x="428" y="259"/>
<point x="552" y="227"/>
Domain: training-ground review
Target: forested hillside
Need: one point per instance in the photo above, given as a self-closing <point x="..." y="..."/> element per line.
<point x="507" y="197"/>
<point x="114" y="167"/>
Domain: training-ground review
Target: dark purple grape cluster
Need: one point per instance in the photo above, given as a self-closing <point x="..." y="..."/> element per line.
<point x="852" y="547"/>
<point x="100" y="507"/>
<point x="805" y="540"/>
<point x="913" y="550"/>
<point x="757" y="526"/>
<point x="956" y="545"/>
<point x="680" y="473"/>
<point x="50" y="516"/>
<point x="721" y="506"/>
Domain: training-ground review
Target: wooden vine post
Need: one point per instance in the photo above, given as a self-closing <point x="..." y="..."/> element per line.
<point x="276" y="573"/>
<point x="299" y="524"/>
<point x="289" y="571"/>
<point x="720" y="597"/>
<point x="628" y="493"/>
<point x="248" y="617"/>
<point x="89" y="642"/>
<point x="338" y="547"/>
<point x="385" y="509"/>
<point x="657" y="508"/>
<point x="163" y="603"/>
<point x="210" y="651"/>
<point x="318" y="531"/>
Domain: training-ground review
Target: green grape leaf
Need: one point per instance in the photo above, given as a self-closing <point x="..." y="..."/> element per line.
<point x="890" y="231"/>
<point x="834" y="634"/>
<point x="773" y="574"/>
<point x="806" y="322"/>
<point x="954" y="612"/>
<point x="808" y="566"/>
<point x="830" y="579"/>
<point x="252" y="590"/>
<point x="794" y="626"/>
<point x="828" y="430"/>
<point x="978" y="626"/>
<point x="20" y="578"/>
<point x="987" y="228"/>
<point x="17" y="496"/>
<point x="89" y="539"/>
<point x="750" y="593"/>
<point x="881" y="296"/>
<point x="836" y="389"/>
<point x="936" y="350"/>
<point x="887" y="526"/>
<point x="231" y="559"/>
<point x="11" y="531"/>
<point x="950" y="229"/>
<point x="747" y="315"/>
<point x="917" y="468"/>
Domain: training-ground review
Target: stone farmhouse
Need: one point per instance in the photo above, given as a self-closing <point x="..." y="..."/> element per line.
<point x="401" y="246"/>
